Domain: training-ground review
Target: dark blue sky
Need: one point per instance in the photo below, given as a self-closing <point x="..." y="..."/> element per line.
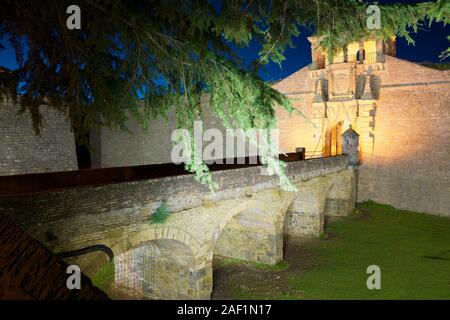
<point x="430" y="42"/>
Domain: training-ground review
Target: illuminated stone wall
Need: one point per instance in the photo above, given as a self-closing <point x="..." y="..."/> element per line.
<point x="22" y="151"/>
<point x="252" y="236"/>
<point x="410" y="166"/>
<point x="297" y="128"/>
<point x="400" y="111"/>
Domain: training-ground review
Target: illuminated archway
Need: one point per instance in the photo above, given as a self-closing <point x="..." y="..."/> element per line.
<point x="333" y="140"/>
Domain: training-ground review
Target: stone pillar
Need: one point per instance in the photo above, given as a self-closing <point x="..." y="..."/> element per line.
<point x="317" y="55"/>
<point x="380" y="51"/>
<point x="366" y="127"/>
<point x="390" y="46"/>
<point x="341" y="198"/>
<point x="305" y="216"/>
<point x="319" y="125"/>
<point x="202" y="280"/>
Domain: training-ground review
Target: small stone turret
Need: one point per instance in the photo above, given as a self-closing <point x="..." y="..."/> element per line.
<point x="350" y="146"/>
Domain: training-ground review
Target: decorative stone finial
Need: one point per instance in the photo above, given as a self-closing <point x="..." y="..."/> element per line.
<point x="367" y="90"/>
<point x="319" y="95"/>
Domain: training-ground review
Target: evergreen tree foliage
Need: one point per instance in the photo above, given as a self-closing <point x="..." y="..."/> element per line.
<point x="171" y="52"/>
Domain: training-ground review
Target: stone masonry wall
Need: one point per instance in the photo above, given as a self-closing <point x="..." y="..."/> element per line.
<point x="297" y="128"/>
<point x="22" y="151"/>
<point x="114" y="148"/>
<point x="249" y="227"/>
<point x="410" y="166"/>
<point x="159" y="269"/>
<point x="341" y="198"/>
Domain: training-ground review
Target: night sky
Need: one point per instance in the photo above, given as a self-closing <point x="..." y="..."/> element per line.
<point x="430" y="42"/>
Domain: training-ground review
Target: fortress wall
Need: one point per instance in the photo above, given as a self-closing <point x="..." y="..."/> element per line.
<point x="115" y="148"/>
<point x="296" y="129"/>
<point x="22" y="151"/>
<point x="410" y="166"/>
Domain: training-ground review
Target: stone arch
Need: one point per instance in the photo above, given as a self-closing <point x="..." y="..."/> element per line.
<point x="360" y="55"/>
<point x="156" y="269"/>
<point x="305" y="215"/>
<point x="136" y="239"/>
<point x="155" y="233"/>
<point x="162" y="263"/>
<point x="252" y="233"/>
<point x="345" y="123"/>
<point x="333" y="139"/>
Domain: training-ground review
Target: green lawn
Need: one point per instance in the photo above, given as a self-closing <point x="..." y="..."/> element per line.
<point x="412" y="250"/>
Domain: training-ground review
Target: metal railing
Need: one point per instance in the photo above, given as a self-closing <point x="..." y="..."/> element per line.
<point x="79" y="252"/>
<point x="368" y="57"/>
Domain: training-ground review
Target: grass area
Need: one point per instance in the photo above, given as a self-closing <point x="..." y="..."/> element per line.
<point x="105" y="276"/>
<point x="412" y="250"/>
<point x="283" y="265"/>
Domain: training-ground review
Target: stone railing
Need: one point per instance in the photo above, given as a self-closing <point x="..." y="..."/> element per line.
<point x="28" y="209"/>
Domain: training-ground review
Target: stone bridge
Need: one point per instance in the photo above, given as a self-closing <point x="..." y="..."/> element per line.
<point x="246" y="219"/>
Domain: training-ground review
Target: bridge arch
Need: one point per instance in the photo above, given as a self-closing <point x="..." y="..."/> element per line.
<point x="253" y="232"/>
<point x="138" y="238"/>
<point x="157" y="233"/>
<point x="158" y="263"/>
<point x="305" y="215"/>
<point x="156" y="269"/>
